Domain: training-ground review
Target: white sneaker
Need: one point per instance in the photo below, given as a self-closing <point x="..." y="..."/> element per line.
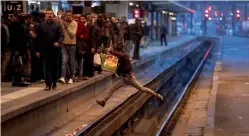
<point x="70" y="81"/>
<point x="62" y="80"/>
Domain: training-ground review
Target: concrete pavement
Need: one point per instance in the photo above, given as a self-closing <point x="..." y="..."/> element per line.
<point x="232" y="99"/>
<point x="228" y="105"/>
<point x="218" y="105"/>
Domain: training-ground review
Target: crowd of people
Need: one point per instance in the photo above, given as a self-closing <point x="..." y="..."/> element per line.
<point x="51" y="48"/>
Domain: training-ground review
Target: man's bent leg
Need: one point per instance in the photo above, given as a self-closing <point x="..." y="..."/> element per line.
<point x="114" y="88"/>
<point x="72" y="59"/>
<point x="117" y="85"/>
<point x="65" y="56"/>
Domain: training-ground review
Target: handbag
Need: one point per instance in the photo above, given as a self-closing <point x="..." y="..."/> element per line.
<point x="97" y="59"/>
<point x="110" y="62"/>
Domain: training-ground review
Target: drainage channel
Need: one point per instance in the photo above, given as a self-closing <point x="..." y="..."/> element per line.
<point x="153" y="116"/>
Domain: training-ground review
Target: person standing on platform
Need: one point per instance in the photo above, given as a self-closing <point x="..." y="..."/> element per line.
<point x="145" y="39"/>
<point x="164" y="32"/>
<point x="18" y="47"/>
<point x="124" y="69"/>
<point x="88" y="70"/>
<point x="125" y="33"/>
<point x="137" y="34"/>
<point x="50" y="36"/>
<point x="68" y="49"/>
<point x="82" y="37"/>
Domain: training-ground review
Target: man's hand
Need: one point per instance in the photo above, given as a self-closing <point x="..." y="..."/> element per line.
<point x="38" y="54"/>
<point x="81" y="36"/>
<point x="16" y="53"/>
<point x="32" y="33"/>
<point x="56" y="44"/>
<point x="93" y="50"/>
<point x="108" y="49"/>
<point x="65" y="24"/>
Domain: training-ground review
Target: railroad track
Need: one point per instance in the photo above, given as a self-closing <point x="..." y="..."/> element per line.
<point x="176" y="81"/>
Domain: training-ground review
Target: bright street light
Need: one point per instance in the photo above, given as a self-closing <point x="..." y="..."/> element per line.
<point x="131" y="4"/>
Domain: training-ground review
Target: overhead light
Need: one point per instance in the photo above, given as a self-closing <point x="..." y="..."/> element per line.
<point x="38" y="2"/>
<point x="131" y="4"/>
<point x="220" y="18"/>
<point x="209" y="18"/>
<point x="137" y="5"/>
<point x="231" y="14"/>
<point x="173" y="18"/>
<point x="163" y="12"/>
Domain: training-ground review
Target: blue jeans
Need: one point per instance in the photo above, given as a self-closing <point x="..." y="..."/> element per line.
<point x="68" y="52"/>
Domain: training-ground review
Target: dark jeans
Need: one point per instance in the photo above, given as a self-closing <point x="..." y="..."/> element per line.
<point x="50" y="67"/>
<point x="136" y="54"/>
<point x="80" y="60"/>
<point x="36" y="70"/>
<point x="68" y="52"/>
<point x="163" y="38"/>
<point x="88" y="64"/>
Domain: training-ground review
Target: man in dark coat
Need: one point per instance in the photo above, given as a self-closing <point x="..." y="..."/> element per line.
<point x="137" y="34"/>
<point x="88" y="70"/>
<point x="164" y="32"/>
<point x="18" y="46"/>
<point x="50" y="35"/>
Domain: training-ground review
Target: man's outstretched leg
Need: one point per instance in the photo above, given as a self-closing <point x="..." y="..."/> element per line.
<point x="115" y="87"/>
<point x="133" y="82"/>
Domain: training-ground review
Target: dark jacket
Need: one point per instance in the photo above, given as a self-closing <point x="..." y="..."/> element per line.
<point x="91" y="36"/>
<point x="164" y="30"/>
<point x="146" y="30"/>
<point x="124" y="63"/>
<point x="98" y="35"/>
<point x="48" y="34"/>
<point x="4" y="38"/>
<point x="17" y="38"/>
<point x="137" y="32"/>
<point x="125" y="31"/>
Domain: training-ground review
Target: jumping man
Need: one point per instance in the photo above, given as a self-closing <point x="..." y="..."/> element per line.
<point x="124" y="69"/>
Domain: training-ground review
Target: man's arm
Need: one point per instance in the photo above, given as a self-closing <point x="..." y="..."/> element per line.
<point x="72" y="30"/>
<point x="38" y="46"/>
<point x="61" y="34"/>
<point x="7" y="33"/>
<point x="118" y="54"/>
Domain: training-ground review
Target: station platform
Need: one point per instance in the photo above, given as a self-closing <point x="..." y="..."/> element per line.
<point x="218" y="104"/>
<point x="228" y="105"/>
<point x="38" y="103"/>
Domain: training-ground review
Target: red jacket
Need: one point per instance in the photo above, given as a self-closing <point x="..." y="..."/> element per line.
<point x="82" y="30"/>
